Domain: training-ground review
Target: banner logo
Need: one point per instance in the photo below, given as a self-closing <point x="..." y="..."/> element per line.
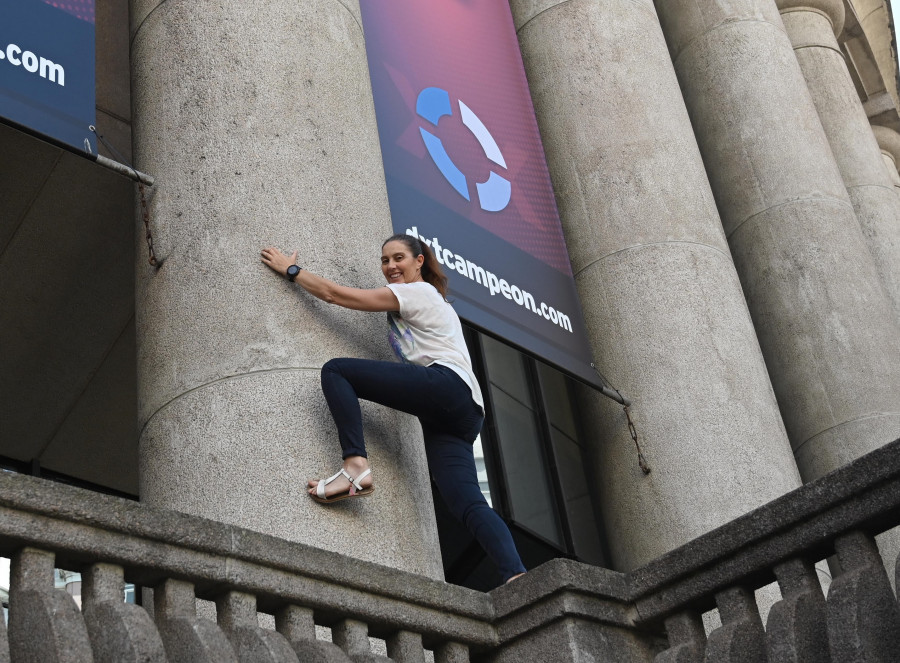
<point x="432" y="104"/>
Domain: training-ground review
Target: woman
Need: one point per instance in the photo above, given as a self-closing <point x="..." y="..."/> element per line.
<point x="434" y="382"/>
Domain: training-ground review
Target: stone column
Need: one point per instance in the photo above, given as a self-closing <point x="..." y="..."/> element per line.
<point x="812" y="26"/>
<point x="664" y="308"/>
<point x="889" y="143"/>
<point x="259" y="127"/>
<point x="825" y="324"/>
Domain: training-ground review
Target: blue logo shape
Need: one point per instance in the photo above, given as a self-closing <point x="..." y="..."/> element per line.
<point x="432" y="104"/>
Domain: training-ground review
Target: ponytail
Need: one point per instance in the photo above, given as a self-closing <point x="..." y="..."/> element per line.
<point x="431" y="268"/>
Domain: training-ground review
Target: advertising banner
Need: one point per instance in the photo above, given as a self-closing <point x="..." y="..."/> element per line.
<point x="47" y="69"/>
<point x="466" y="171"/>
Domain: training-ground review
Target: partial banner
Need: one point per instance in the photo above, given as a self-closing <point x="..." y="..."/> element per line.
<point x="466" y="171"/>
<point x="47" y="69"/>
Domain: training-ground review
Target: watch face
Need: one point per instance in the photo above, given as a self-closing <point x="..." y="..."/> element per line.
<point x="292" y="271"/>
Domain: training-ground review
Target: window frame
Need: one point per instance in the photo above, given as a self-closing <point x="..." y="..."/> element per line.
<point x="493" y="452"/>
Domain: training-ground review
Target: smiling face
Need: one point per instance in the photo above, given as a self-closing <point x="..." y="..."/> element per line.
<point x="398" y="264"/>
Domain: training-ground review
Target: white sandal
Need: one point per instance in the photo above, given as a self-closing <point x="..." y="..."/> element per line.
<point x="355" y="489"/>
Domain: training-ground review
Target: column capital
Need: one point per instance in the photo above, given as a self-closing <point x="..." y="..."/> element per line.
<point x="833" y="9"/>
<point x="888" y="141"/>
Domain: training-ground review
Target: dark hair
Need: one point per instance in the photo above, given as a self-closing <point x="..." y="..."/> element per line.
<point x="431" y="268"/>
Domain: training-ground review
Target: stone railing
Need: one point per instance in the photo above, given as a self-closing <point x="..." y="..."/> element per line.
<point x="839" y="515"/>
<point x="562" y="611"/>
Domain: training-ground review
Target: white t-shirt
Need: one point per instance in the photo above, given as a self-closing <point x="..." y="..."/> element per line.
<point x="427" y="331"/>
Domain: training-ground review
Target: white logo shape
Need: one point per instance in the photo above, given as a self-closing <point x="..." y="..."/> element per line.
<point x="493" y="195"/>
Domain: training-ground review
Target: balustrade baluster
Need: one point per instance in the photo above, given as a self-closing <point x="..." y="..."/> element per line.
<point x="4" y="643"/>
<point x="741" y="637"/>
<point x="451" y="652"/>
<point x="862" y="614"/>
<point x="353" y="637"/>
<point x="45" y="624"/>
<point x="299" y="627"/>
<point x="236" y="615"/>
<point x="186" y="637"/>
<point x="897" y="574"/>
<point x="687" y="639"/>
<point x="795" y="631"/>
<point x="406" y="647"/>
<point x="119" y="632"/>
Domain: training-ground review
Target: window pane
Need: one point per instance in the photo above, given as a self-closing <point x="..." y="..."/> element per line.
<point x="530" y="497"/>
<point x="576" y="494"/>
<point x="558" y="399"/>
<point x="559" y="394"/>
<point x="481" y="470"/>
<point x="506" y="369"/>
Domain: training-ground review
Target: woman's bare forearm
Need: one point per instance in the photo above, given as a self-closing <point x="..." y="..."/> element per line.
<point x="360" y="299"/>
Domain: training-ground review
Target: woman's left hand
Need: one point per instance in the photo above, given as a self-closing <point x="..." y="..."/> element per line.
<point x="278" y="261"/>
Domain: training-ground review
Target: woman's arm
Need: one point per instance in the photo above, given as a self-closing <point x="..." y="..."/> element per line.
<point x="360" y="299"/>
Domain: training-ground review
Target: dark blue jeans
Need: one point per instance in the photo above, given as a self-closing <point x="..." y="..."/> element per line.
<point x="450" y="423"/>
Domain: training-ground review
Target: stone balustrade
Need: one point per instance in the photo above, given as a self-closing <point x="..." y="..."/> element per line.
<point x="834" y="517"/>
<point x="561" y="611"/>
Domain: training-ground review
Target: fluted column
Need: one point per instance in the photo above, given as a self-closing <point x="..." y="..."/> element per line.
<point x="812" y="26"/>
<point x="259" y="127"/>
<point x="831" y="341"/>
<point x="889" y="143"/>
<point x="664" y="308"/>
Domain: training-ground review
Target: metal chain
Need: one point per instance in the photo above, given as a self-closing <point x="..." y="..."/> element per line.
<point x="145" y="212"/>
<point x="626" y="404"/>
<point x="631" y="429"/>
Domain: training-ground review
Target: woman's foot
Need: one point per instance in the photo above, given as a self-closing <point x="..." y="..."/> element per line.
<point x="518" y="575"/>
<point x="340" y="487"/>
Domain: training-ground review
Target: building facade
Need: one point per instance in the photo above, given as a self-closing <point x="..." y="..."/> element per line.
<point x="726" y="176"/>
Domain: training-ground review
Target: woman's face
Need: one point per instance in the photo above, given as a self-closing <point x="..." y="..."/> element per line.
<point x="398" y="264"/>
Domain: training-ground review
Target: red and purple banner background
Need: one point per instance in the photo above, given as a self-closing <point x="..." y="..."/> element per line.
<point x="465" y="169"/>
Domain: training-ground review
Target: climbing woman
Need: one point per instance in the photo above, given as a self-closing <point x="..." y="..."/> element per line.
<point x="433" y="381"/>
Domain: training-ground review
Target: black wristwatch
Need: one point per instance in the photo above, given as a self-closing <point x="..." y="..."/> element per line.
<point x="292" y="272"/>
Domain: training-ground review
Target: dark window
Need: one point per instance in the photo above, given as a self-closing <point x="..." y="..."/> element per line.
<point x="531" y="466"/>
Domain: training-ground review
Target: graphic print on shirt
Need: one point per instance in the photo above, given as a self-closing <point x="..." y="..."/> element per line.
<point x="400" y="336"/>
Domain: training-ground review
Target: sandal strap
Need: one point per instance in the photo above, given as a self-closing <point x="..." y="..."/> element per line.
<point x="356" y="481"/>
<point x="320" y="487"/>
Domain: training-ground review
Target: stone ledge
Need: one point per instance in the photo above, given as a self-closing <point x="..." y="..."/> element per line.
<point x="558" y="590"/>
<point x="555" y="577"/>
<point x="153" y="544"/>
